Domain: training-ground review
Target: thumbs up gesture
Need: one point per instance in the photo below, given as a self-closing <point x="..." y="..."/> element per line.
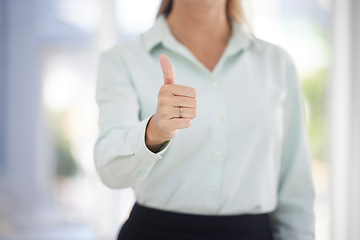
<point x="164" y="124"/>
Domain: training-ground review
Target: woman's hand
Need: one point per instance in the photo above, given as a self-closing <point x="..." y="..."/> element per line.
<point x="164" y="124"/>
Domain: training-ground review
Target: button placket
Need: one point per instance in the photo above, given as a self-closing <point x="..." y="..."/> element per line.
<point x="213" y="189"/>
<point x="221" y="116"/>
<point x="216" y="165"/>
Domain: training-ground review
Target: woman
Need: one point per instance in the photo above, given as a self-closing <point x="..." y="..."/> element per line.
<point x="214" y="141"/>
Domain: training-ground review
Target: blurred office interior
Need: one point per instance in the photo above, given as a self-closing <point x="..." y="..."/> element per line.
<point x="48" y="116"/>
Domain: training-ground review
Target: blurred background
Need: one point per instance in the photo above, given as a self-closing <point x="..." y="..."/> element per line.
<point x="48" y="116"/>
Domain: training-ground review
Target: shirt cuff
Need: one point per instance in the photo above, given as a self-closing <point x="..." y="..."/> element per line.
<point x="143" y="152"/>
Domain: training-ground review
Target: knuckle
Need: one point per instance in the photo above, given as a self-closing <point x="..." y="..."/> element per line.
<point x="164" y="89"/>
<point x="168" y="75"/>
<point x="193" y="114"/>
<point x="187" y="123"/>
<point x="162" y="101"/>
<point x="194" y="92"/>
<point x="165" y="101"/>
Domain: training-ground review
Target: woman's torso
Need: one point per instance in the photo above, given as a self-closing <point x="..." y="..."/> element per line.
<point x="227" y="161"/>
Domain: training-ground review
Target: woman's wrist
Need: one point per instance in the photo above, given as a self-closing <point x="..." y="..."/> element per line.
<point x="152" y="139"/>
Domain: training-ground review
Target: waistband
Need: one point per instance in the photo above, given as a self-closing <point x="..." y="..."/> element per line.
<point x="148" y="217"/>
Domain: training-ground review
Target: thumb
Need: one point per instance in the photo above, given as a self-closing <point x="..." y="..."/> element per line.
<point x="168" y="69"/>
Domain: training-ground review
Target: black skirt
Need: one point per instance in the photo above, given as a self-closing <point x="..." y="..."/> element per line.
<point x="150" y="223"/>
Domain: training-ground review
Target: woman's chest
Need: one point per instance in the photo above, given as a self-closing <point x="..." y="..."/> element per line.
<point x="241" y="97"/>
<point x="254" y="105"/>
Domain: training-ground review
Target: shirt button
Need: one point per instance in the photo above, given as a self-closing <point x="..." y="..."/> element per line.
<point x="221" y="116"/>
<point x="215" y="85"/>
<point x="213" y="189"/>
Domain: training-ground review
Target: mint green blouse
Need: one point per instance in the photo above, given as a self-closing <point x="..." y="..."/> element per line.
<point x="247" y="150"/>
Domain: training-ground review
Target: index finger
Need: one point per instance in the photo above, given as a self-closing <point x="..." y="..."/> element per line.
<point x="181" y="90"/>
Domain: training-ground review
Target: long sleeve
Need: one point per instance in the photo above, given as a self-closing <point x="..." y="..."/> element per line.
<point x="120" y="153"/>
<point x="294" y="215"/>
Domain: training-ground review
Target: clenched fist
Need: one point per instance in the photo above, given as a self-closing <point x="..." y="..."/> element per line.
<point x="164" y="124"/>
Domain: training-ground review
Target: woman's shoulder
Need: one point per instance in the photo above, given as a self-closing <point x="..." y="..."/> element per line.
<point x="121" y="50"/>
<point x="270" y="50"/>
<point x="275" y="57"/>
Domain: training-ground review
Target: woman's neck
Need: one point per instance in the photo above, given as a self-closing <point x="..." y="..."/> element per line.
<point x="198" y="23"/>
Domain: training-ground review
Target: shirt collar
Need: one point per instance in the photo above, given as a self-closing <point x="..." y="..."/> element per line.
<point x="161" y="33"/>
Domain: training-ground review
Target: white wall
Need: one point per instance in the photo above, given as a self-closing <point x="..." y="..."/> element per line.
<point x="344" y="121"/>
